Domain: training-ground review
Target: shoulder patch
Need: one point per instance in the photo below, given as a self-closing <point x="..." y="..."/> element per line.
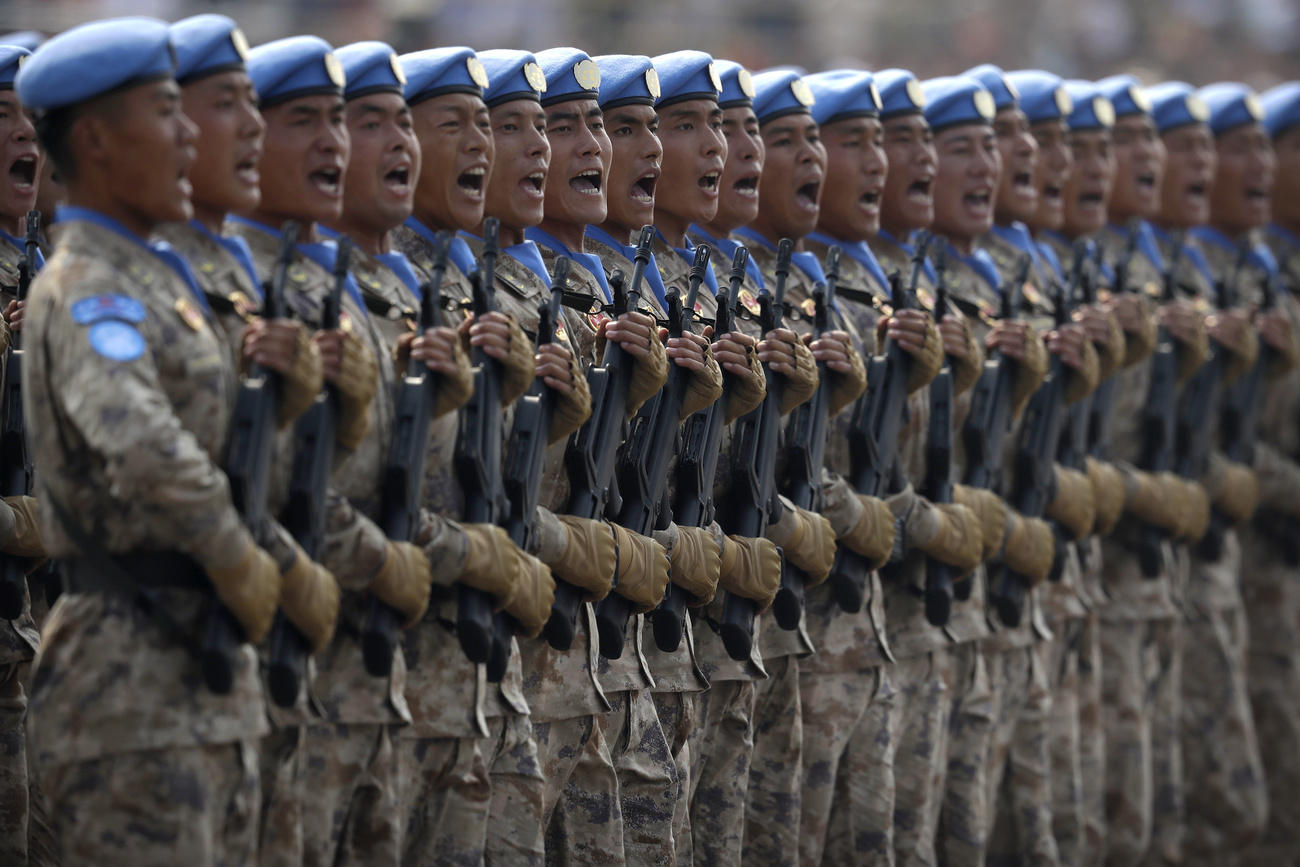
<point x="101" y="308"/>
<point x="116" y="340"/>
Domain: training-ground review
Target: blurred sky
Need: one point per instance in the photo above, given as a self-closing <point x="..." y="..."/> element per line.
<point x="1257" y="41"/>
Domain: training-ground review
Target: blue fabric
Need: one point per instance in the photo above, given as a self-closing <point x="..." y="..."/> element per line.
<point x="590" y="261"/>
<point x="570" y="74"/>
<point x="458" y="252"/>
<point x="859" y="252"/>
<point x="1175" y="104"/>
<point x="779" y="92"/>
<point x="627" y="79"/>
<point x="20" y="244"/>
<point x="685" y="75"/>
<point x="1091" y="110"/>
<point x="511" y="75"/>
<point x="370" y="67"/>
<point x="1191" y="252"/>
<point x="652" y="275"/>
<point x="906" y="245"/>
<point x="1042" y="95"/>
<point x="292" y="68"/>
<point x="982" y="264"/>
<point x="1146" y="242"/>
<point x="10" y="58"/>
<point x="728" y="248"/>
<point x="957" y="100"/>
<point x="842" y="94"/>
<point x="900" y="93"/>
<point x="237" y="247"/>
<point x="737" y="85"/>
<point x="207" y="44"/>
<point x="401" y="267"/>
<point x="1048" y="254"/>
<point x="1281" y="107"/>
<point x="323" y="253"/>
<point x="90" y="60"/>
<point x="442" y="70"/>
<point x="1231" y="105"/>
<point x="688" y="253"/>
<point x="1125" y="95"/>
<point x="995" y="82"/>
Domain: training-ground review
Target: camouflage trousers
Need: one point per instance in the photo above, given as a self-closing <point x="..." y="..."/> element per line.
<point x="850" y="726"/>
<point x="279" y="839"/>
<point x="1020" y="767"/>
<point x="580" y="810"/>
<point x="924" y="695"/>
<point x="721" y="748"/>
<point x="971" y="713"/>
<point x="1226" y="796"/>
<point x="647" y="777"/>
<point x="195" y="806"/>
<point x="25" y="836"/>
<point x="350" y="795"/>
<point x="1275" y="700"/>
<point x="772" y="806"/>
<point x="678" y="714"/>
<point x="515" y="829"/>
<point x="1141" y="688"/>
<point x="444" y="797"/>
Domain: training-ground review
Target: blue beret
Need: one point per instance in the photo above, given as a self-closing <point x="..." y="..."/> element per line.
<point x="900" y="93"/>
<point x="1231" y="105"/>
<point x="93" y="59"/>
<point x="778" y="92"/>
<point x="293" y="68"/>
<point x="1043" y="96"/>
<point x="1091" y="109"/>
<point x="512" y="74"/>
<point x="207" y="44"/>
<point x="570" y="74"/>
<point x="957" y="100"/>
<point x="1281" y="108"/>
<point x="843" y="94"/>
<point x="1175" y="104"/>
<point x="1125" y="94"/>
<point x="438" y="71"/>
<point x="11" y="58"/>
<point x="627" y="79"/>
<point x="370" y="67"/>
<point x="29" y="39"/>
<point x="995" y="82"/>
<point x="737" y="85"/>
<point x="685" y="75"/>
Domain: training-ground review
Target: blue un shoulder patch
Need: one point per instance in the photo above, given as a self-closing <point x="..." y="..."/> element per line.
<point x="116" y="340"/>
<point x="100" y="308"/>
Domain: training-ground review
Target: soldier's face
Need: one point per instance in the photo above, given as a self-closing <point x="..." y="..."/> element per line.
<point x="50" y="191"/>
<point x="1189" y="174"/>
<point x="635" y="166"/>
<point x="908" y="201"/>
<point x="1139" y="169"/>
<point x="856" y="167"/>
<point x="1052" y="174"/>
<point x="20" y="157"/>
<point x="1017" y="196"/>
<point x="695" y="152"/>
<point x="794" y="174"/>
<point x="304" y="159"/>
<point x="1243" y="182"/>
<point x="580" y="157"/>
<point x="966" y="183"/>
<point x="738" y="189"/>
<point x="1088" y="190"/>
<point x="225" y="176"/>
<point x="455" y="134"/>
<point x="379" y="190"/>
<point x="516" y="190"/>
<point x="1286" y="186"/>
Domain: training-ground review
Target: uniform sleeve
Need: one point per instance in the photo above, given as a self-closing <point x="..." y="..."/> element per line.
<point x="1279" y="479"/>
<point x="355" y="548"/>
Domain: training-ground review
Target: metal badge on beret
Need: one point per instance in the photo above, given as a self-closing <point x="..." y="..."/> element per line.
<point x="587" y="74"/>
<point x="915" y="93"/>
<point x="1064" y="104"/>
<point x="477" y="73"/>
<point x="802" y="92"/>
<point x="652" y="82"/>
<point x="535" y="77"/>
<point x="715" y="78"/>
<point x="397" y="69"/>
<point x="334" y="70"/>
<point x="746" y="82"/>
<point x="984" y="104"/>
<point x="239" y="42"/>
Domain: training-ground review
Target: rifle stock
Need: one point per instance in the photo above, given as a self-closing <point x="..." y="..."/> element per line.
<point x="939" y="576"/>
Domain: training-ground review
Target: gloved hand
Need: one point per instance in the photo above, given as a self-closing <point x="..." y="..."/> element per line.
<point x="248" y="585"/>
<point x="20" y="531"/>
<point x="642" y="569"/>
<point x="861" y="523"/>
<point x="309" y="597"/>
<point x="491" y="564"/>
<point x="531" y="596"/>
<point x="403" y="581"/>
<point x="1030" y="548"/>
<point x="1233" y="488"/>
<point x="1073" y="506"/>
<point x="751" y="568"/>
<point x="950" y="533"/>
<point x="357" y="383"/>
<point x="1107" y="495"/>
<point x="991" y="514"/>
<point x="808" y="540"/>
<point x="695" y="560"/>
<point x="582" y="552"/>
<point x="301" y="380"/>
<point x="571" y="409"/>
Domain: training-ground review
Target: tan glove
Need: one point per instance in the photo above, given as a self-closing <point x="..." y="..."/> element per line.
<point x="1082" y="381"/>
<point x="309" y="596"/>
<point x="1112" y="351"/>
<point x="750" y="568"/>
<point x="1107" y="495"/>
<point x="1242" y="353"/>
<point x="703" y="387"/>
<point x="861" y="523"/>
<point x="531" y="596"/>
<point x="1194" y="512"/>
<point x="800" y="385"/>
<point x="1073" y="506"/>
<point x="643" y="569"/>
<point x="950" y="533"/>
<point x="991" y="513"/>
<point x="1030" y="548"/>
<point x="966" y="371"/>
<point x="23" y="536"/>
<point x="1030" y="371"/>
<point x="695" y="560"/>
<point x="745" y="393"/>
<point x="847" y="387"/>
<point x="808" y="540"/>
<point x="1233" y="488"/>
<point x="648" y="376"/>
<point x="1147" y="498"/>
<point x="1191" y="355"/>
<point x="570" y="411"/>
<point x="404" y="580"/>
<point x="519" y="367"/>
<point x="357" y="383"/>
<point x="491" y="562"/>
<point x="300" y="386"/>
<point x="927" y="363"/>
<point x="1140" y="342"/>
<point x="249" y="588"/>
<point x="1285" y="357"/>
<point x="454" y="389"/>
<point x="589" y="558"/>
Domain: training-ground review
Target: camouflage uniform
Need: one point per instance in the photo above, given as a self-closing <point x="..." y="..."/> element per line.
<point x="140" y="763"/>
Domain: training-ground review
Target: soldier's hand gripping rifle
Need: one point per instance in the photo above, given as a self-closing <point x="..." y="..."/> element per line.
<point x="592" y="451"/>
<point x="15" y="462"/>
<point x="751" y="498"/>
<point x="402" y="480"/>
<point x="805" y="446"/>
<point x="644" y="463"/>
<point x="874" y="432"/>
<point x="937" y="488"/>
<point x="1100" y="402"/>
<point x="526" y="459"/>
<point x="697" y="462"/>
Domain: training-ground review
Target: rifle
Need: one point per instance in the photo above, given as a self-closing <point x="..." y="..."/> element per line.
<point x="592" y="451"/>
<point x="1101" y="401"/>
<point x="15" y="461"/>
<point x="1035" y="476"/>
<point x="874" y="432"/>
<point x="402" y="477"/>
<point x="643" y="466"/>
<point x="937" y="487"/>
<point x="525" y="460"/>
<point x="752" y="499"/>
<point x="697" y="462"/>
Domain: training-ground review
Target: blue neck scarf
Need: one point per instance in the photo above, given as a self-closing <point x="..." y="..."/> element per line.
<point x="859" y="252"/>
<point x="906" y="245"/>
<point x="323" y="253"/>
<point x="237" y="247"/>
<point x="652" y="275"/>
<point x="590" y="261"/>
<point x="728" y="248"/>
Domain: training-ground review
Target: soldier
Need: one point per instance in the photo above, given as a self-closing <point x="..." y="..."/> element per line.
<point x="128" y="396"/>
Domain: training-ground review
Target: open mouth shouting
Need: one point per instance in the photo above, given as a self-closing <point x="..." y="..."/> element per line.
<point x="643" y="188"/>
<point x="979" y="201"/>
<point x="398" y="179"/>
<point x="709" y="183"/>
<point x="746" y="186"/>
<point x="534" y="184"/>
<point x="1023" y="182"/>
<point x="246" y="168"/>
<point x="807" y="195"/>
<point x="470" y="182"/>
<point x="869" y="201"/>
<point x="921" y="188"/>
<point x="1052" y="192"/>
<point x="22" y="173"/>
<point x="328" y="181"/>
<point x="1146" y="182"/>
<point x="1256" y="195"/>
<point x="588" y="183"/>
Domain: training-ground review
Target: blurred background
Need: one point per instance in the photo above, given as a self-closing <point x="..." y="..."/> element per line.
<point x="1257" y="41"/>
